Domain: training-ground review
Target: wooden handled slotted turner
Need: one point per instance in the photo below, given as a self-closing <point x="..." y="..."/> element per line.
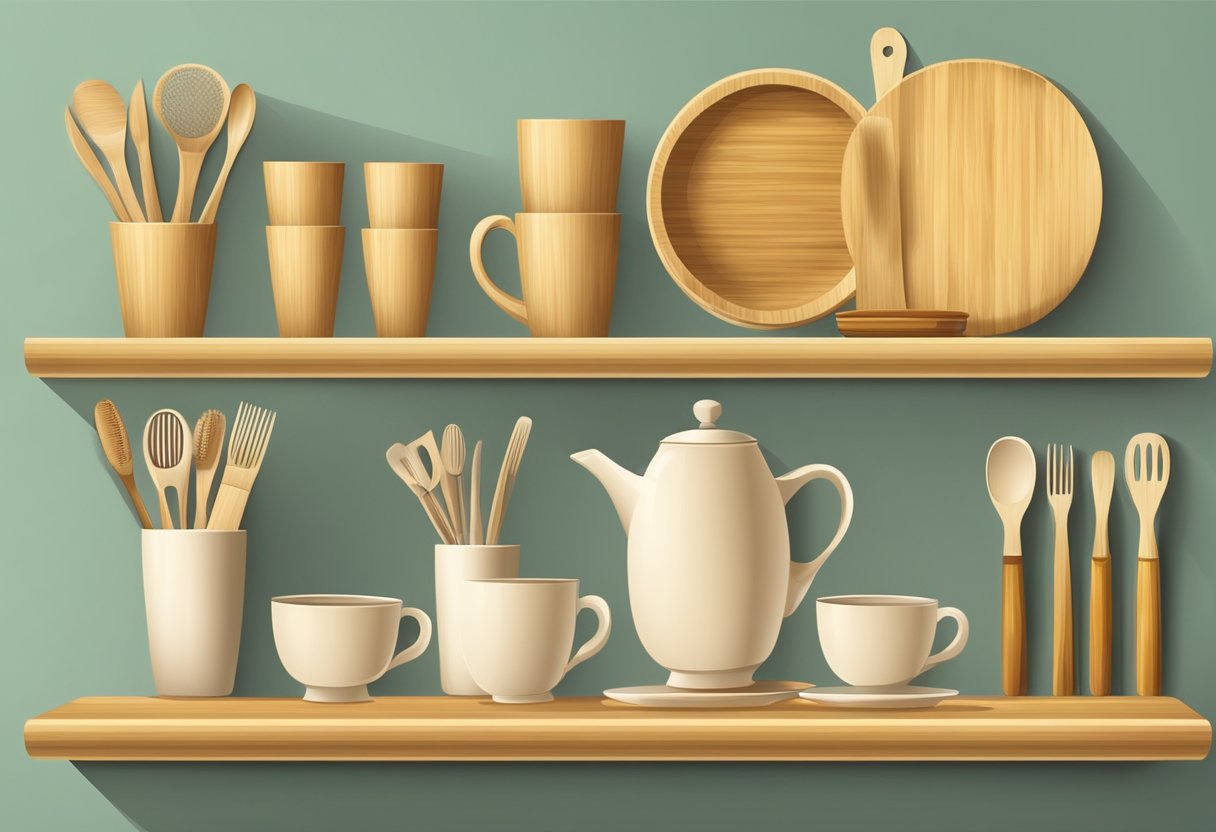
<point x="1146" y="468"/>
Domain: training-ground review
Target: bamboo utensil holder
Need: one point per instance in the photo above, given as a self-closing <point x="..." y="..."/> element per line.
<point x="305" y="271"/>
<point x="164" y="277"/>
<point x="304" y="193"/>
<point x="403" y="194"/>
<point x="400" y="265"/>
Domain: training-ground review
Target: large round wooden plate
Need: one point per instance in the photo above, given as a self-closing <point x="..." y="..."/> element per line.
<point x="744" y="198"/>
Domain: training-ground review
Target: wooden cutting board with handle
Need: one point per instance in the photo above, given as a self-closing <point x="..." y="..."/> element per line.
<point x="1000" y="187"/>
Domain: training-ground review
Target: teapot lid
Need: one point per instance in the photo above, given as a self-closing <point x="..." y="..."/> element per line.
<point x="707" y="412"/>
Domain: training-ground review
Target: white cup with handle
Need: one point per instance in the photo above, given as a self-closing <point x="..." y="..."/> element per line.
<point x="517" y="634"/>
<point x="336" y="645"/>
<point x="884" y="640"/>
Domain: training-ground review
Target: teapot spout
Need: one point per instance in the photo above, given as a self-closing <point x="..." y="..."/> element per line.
<point x="622" y="486"/>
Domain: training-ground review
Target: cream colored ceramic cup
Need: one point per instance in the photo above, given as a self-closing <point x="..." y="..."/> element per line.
<point x="517" y="633"/>
<point x="335" y="645"/>
<point x="884" y="640"/>
<point x="194" y="593"/>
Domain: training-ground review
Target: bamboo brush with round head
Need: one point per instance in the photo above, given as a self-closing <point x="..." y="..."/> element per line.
<point x="208" y="444"/>
<point x="117" y="447"/>
<point x="191" y="101"/>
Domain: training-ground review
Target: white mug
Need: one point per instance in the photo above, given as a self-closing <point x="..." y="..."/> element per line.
<point x="884" y="640"/>
<point x="335" y="645"/>
<point x="517" y="634"/>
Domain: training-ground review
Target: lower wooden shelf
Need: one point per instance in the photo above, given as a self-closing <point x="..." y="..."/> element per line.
<point x="1020" y="357"/>
<point x="454" y="729"/>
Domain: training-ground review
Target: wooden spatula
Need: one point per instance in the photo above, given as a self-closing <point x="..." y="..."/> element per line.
<point x="1146" y="467"/>
<point x="870" y="208"/>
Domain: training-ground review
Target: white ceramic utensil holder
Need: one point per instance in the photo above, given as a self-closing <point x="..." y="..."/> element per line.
<point x="453" y="566"/>
<point x="194" y="594"/>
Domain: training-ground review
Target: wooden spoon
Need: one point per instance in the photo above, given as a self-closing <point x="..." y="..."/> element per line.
<point x="139" y="137"/>
<point x="167" y="453"/>
<point x="1102" y="470"/>
<point x="1011" y="473"/>
<point x="89" y="159"/>
<point x="103" y="117"/>
<point x="241" y="111"/>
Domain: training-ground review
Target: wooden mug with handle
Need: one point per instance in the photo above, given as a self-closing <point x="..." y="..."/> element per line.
<point x="567" y="270"/>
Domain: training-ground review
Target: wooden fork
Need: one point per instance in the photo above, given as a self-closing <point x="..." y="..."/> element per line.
<point x="1059" y="494"/>
<point x="1146" y="468"/>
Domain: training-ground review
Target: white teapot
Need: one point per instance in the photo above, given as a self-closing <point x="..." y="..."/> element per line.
<point x="710" y="575"/>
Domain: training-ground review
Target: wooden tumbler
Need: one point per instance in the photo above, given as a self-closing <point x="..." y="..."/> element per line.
<point x="304" y="193"/>
<point x="569" y="165"/>
<point x="164" y="277"/>
<point x="400" y="265"/>
<point x="403" y="194"/>
<point x="305" y="271"/>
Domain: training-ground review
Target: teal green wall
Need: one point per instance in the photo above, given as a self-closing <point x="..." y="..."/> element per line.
<point x="445" y="82"/>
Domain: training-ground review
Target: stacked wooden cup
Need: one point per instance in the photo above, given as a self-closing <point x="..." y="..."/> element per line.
<point x="399" y="248"/>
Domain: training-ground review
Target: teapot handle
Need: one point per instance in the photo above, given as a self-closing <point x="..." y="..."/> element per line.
<point x="801" y="574"/>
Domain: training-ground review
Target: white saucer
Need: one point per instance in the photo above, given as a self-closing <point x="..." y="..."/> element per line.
<point x="752" y="696"/>
<point x="898" y="696"/>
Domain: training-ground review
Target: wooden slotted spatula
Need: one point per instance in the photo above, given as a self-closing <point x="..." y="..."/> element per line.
<point x="1146" y="468"/>
<point x="406" y="465"/>
<point x="246" y="450"/>
<point x="167" y="453"/>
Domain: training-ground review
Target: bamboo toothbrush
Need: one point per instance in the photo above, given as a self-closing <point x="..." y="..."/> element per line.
<point x="246" y="450"/>
<point x="113" y="435"/>
<point x="208" y="444"/>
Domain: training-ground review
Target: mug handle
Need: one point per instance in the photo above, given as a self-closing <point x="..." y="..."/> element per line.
<point x="420" y="644"/>
<point x="596" y="643"/>
<point x="504" y="300"/>
<point x="801" y="574"/>
<point x="960" y="638"/>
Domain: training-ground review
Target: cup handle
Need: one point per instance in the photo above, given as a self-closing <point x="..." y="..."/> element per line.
<point x="420" y="644"/>
<point x="596" y="643"/>
<point x="505" y="301"/>
<point x="960" y="638"/>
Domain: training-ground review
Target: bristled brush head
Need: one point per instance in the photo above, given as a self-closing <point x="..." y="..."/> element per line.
<point x="113" y="435"/>
<point x="191" y="100"/>
<point x="208" y="439"/>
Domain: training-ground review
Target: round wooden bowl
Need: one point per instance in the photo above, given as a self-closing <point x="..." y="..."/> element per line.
<point x="744" y="198"/>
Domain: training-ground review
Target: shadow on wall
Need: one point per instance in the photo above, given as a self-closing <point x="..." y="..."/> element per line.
<point x="241" y="301"/>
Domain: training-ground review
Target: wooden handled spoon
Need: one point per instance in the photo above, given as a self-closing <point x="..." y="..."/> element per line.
<point x="103" y="116"/>
<point x="1011" y="473"/>
<point x="1102" y="472"/>
<point x="241" y="110"/>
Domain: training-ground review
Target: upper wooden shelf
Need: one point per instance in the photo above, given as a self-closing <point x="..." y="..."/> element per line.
<point x="741" y="357"/>
<point x="450" y="728"/>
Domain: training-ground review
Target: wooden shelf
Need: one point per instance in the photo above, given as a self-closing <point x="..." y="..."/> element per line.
<point x="447" y="728"/>
<point x="741" y="357"/>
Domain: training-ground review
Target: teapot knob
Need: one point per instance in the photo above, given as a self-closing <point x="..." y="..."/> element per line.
<point x="708" y="411"/>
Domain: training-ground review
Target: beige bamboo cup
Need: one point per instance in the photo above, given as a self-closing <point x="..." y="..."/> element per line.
<point x="570" y="165"/>
<point x="305" y="271"/>
<point x="164" y="277"/>
<point x="194" y="593"/>
<point x="403" y="194"/>
<point x="453" y="566"/>
<point x="400" y="266"/>
<point x="304" y="193"/>
<point x="567" y="268"/>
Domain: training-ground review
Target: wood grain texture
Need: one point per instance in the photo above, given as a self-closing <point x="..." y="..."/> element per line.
<point x="305" y="273"/>
<point x="92" y="166"/>
<point x="103" y="116"/>
<point x="304" y="193"/>
<point x="870" y="208"/>
<point x="744" y="198"/>
<point x="403" y="194"/>
<point x="569" y="165"/>
<point x="1013" y="627"/>
<point x="1000" y="191"/>
<point x="459" y="728"/>
<point x="619" y="358"/>
<point x="400" y="268"/>
<point x="164" y="277"/>
<point x="897" y="323"/>
<point x="1099" y="626"/>
<point x="1148" y="626"/>
<point x="138" y="110"/>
